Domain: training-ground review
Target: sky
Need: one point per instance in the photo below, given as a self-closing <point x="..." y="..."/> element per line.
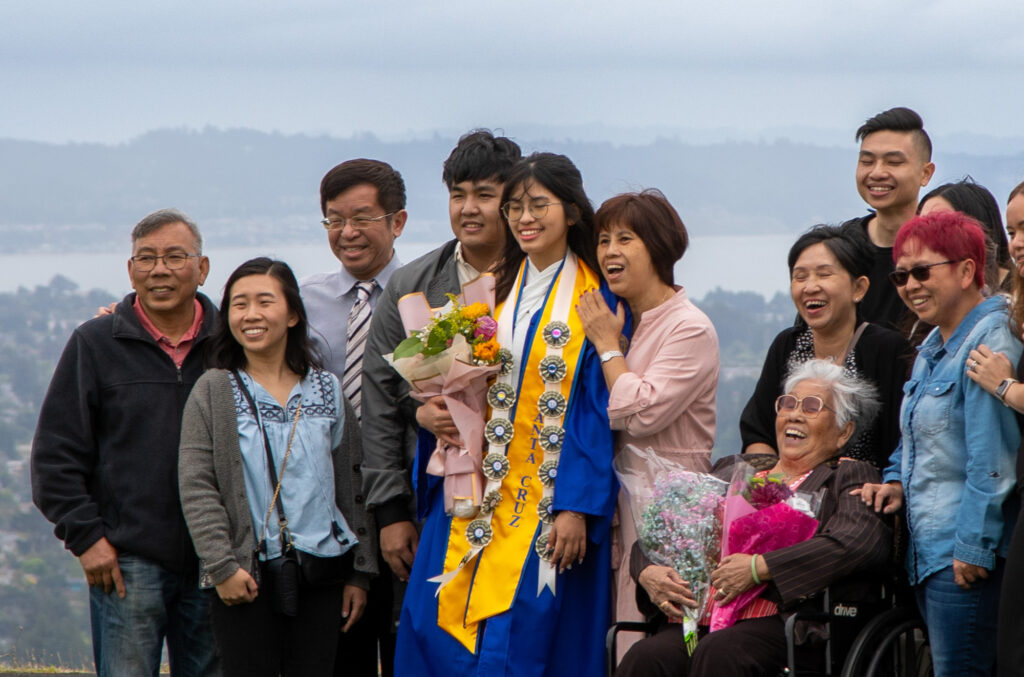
<point x="110" y="70"/>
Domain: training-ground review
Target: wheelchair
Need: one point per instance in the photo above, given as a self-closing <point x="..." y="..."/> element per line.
<point x="884" y="637"/>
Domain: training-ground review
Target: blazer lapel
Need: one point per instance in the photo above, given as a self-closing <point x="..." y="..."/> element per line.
<point x="444" y="283"/>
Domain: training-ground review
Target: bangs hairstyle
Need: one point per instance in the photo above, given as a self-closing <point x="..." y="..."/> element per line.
<point x="227" y="353"/>
<point x="848" y="244"/>
<point x="954" y="235"/>
<point x="560" y="176"/>
<point x="480" y="155"/>
<point x="899" y="119"/>
<point x="382" y="176"/>
<point x="654" y="220"/>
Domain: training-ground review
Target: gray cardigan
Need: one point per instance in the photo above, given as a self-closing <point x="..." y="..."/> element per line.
<point x="212" y="486"/>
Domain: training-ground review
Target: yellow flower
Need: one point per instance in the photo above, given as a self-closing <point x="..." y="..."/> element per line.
<point x="475" y="310"/>
<point x="486" y="351"/>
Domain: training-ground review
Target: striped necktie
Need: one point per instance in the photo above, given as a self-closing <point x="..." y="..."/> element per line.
<point x="355" y="343"/>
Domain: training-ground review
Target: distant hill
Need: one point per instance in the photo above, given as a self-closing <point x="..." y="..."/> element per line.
<point x="250" y="187"/>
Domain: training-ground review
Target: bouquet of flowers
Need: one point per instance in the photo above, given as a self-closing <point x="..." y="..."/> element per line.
<point x="452" y="352"/>
<point x="761" y="514"/>
<point x="678" y="516"/>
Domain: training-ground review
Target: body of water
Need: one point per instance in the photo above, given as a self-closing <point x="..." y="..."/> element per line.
<point x="736" y="263"/>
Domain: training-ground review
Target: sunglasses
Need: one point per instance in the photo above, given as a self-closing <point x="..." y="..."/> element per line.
<point x="920" y="273"/>
<point x="811" y="405"/>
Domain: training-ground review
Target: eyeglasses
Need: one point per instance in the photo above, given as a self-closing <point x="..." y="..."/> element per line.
<point x="920" y="273"/>
<point x="513" y="209"/>
<point x="175" y="261"/>
<point x="357" y="222"/>
<point x="810" y="405"/>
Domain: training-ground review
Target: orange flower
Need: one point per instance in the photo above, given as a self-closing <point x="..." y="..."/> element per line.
<point x="475" y="310"/>
<point x="486" y="351"/>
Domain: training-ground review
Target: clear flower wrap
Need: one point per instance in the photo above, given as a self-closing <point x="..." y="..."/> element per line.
<point x="678" y="517"/>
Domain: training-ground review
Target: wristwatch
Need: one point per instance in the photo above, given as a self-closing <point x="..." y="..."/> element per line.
<point x="1001" y="391"/>
<point x="609" y="354"/>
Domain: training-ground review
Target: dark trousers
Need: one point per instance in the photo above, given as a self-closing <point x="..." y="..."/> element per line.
<point x="1010" y="635"/>
<point x="754" y="647"/>
<point x="256" y="642"/>
<point x="375" y="631"/>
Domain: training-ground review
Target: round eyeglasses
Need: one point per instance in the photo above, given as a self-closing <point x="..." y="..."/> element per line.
<point x="811" y="405"/>
<point x="174" y="261"/>
<point x="513" y="209"/>
<point x="357" y="222"/>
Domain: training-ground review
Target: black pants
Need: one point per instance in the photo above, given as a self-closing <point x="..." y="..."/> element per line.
<point x="255" y="642"/>
<point x="753" y="647"/>
<point x="357" y="648"/>
<point x="1010" y="636"/>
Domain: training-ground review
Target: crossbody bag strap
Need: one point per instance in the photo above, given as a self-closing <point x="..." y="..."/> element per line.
<point x="275" y="481"/>
<point x="853" y="341"/>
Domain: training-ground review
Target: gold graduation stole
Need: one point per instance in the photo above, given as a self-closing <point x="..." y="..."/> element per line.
<point x="521" y="463"/>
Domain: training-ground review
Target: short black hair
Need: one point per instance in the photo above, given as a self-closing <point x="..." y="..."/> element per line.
<point x="848" y="244"/>
<point x="480" y="155"/>
<point x="899" y="119"/>
<point x="655" y="221"/>
<point x="380" y="175"/>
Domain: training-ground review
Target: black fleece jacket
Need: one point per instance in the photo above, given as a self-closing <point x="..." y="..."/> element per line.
<point x="105" y="453"/>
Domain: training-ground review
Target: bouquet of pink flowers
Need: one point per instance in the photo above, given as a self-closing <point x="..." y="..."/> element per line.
<point x="761" y="514"/>
<point x="678" y="517"/>
<point x="452" y="352"/>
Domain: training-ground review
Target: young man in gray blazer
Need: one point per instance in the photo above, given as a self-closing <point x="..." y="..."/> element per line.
<point x="474" y="174"/>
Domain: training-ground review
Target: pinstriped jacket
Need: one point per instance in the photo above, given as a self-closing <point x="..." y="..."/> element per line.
<point x="852" y="542"/>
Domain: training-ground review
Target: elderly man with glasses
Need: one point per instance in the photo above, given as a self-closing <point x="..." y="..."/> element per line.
<point x="105" y="457"/>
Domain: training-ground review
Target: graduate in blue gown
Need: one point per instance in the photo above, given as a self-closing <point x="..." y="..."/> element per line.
<point x="524" y="587"/>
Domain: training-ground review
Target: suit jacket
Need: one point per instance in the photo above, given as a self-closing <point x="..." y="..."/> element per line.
<point x="389" y="414"/>
<point x="852" y="544"/>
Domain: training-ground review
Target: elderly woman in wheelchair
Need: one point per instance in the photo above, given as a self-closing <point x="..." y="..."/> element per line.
<point x="821" y="408"/>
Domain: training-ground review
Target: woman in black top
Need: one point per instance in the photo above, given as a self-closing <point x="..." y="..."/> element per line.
<point x="828" y="268"/>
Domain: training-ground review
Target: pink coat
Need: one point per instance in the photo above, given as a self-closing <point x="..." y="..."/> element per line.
<point x="666" y="402"/>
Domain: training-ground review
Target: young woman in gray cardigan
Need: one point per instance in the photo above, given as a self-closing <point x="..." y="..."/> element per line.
<point x="267" y="434"/>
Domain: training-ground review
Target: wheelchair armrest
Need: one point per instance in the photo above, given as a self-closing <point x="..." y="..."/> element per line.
<point x="820" y="615"/>
<point x="646" y="627"/>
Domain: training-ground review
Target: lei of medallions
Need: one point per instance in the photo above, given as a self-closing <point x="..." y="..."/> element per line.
<point x="499" y="430"/>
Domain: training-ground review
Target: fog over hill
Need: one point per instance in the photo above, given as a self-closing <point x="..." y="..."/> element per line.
<point x="249" y="187"/>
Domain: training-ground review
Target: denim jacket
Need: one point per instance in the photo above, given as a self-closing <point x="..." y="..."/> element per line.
<point x="958" y="449"/>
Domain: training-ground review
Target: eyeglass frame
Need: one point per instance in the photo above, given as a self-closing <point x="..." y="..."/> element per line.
<point x="163" y="257"/>
<point x="921" y="273"/>
<point x="799" y="405"/>
<point x="530" y="207"/>
<point x="365" y="221"/>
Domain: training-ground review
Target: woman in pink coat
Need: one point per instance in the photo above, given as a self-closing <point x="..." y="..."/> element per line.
<point x="662" y="391"/>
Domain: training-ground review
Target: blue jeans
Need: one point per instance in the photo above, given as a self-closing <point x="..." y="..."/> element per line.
<point x="961" y="623"/>
<point x="128" y="634"/>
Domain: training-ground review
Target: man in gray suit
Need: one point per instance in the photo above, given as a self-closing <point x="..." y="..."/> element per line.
<point x="475" y="174"/>
<point x="363" y="205"/>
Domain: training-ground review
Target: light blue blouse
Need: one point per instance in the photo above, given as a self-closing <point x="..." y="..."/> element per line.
<point x="307" y="487"/>
<point x="957" y="454"/>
